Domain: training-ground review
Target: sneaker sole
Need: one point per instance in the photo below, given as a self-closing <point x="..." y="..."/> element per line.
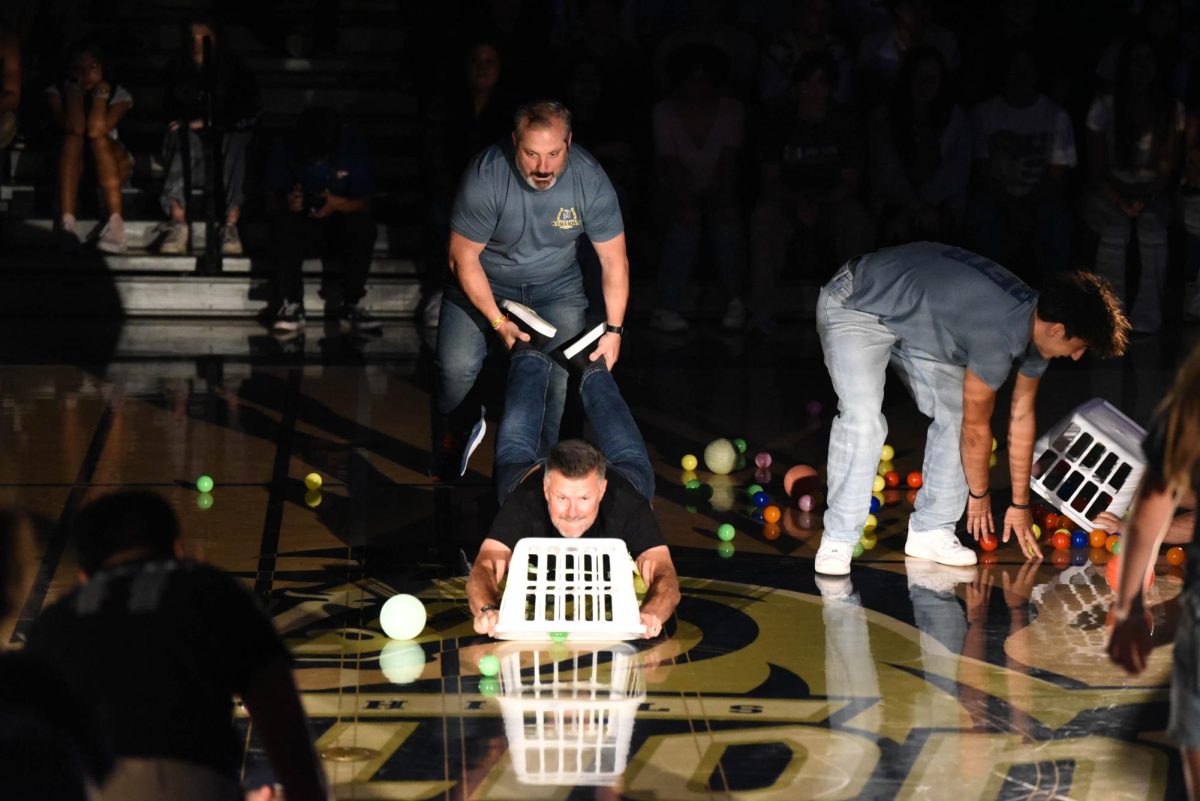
<point x="965" y="559"/>
<point x="530" y="318"/>
<point x="838" y="570"/>
<point x="472" y="443"/>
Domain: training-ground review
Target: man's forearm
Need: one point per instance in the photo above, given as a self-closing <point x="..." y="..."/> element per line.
<point x="1022" y="430"/>
<point x="662" y="596"/>
<point x="482" y="589"/>
<point x="976" y="449"/>
<point x="474" y="283"/>
<point x="615" y="286"/>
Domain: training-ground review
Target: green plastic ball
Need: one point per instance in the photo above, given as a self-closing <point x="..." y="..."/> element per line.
<point x="489" y="665"/>
<point x="753" y="489"/>
<point x="489" y="687"/>
<point x="740" y="444"/>
<point x="858" y="549"/>
<point x="204" y="501"/>
<point x="693" y="483"/>
<point x="725" y="532"/>
<point x="725" y="550"/>
<point x="204" y="483"/>
<point x="558" y="636"/>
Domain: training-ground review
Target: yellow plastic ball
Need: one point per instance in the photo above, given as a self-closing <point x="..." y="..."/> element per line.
<point x="885" y="467"/>
<point x="887" y="454"/>
<point x="689" y="462"/>
<point x="313" y="481"/>
<point x="872" y="523"/>
<point x="879" y="484"/>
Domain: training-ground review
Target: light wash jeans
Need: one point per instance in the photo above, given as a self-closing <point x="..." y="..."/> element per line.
<point x="1114" y="228"/>
<point x="858" y="348"/>
<point x="521" y="442"/>
<point x="463" y="341"/>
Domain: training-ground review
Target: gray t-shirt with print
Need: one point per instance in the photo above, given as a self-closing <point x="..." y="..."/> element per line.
<point x="953" y="305"/>
<point x="529" y="236"/>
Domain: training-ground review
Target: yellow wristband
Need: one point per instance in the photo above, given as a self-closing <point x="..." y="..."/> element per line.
<point x="497" y="322"/>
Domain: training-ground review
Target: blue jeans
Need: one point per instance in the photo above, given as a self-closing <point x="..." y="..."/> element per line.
<point x="858" y="348"/>
<point x="521" y="441"/>
<point x="463" y="340"/>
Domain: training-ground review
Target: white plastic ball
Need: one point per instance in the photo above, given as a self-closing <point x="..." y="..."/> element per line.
<point x="402" y="617"/>
<point x="720" y="456"/>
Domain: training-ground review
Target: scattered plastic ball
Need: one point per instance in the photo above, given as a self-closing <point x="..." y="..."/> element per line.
<point x="489" y="687"/>
<point x="813" y="408"/>
<point x="800" y="479"/>
<point x="885" y="468"/>
<point x="689" y="462"/>
<point x="914" y="479"/>
<point x="771" y="514"/>
<point x="402" y="617"/>
<point x="872" y="522"/>
<point x="879" y="484"/>
<point x="771" y="531"/>
<point x="725" y="532"/>
<point x="1111" y="542"/>
<point x="1097" y="538"/>
<point x="806" y="503"/>
<point x="754" y="489"/>
<point x="992" y="461"/>
<point x="876" y="504"/>
<point x="879" y="497"/>
<point x="761" y="499"/>
<point x="762" y="459"/>
<point x="312" y="499"/>
<point x="1037" y="531"/>
<point x="558" y="636"/>
<point x="1116" y="548"/>
<point x="1079" y="539"/>
<point x="204" y="483"/>
<point x="740" y="444"/>
<point x="1050" y="521"/>
<point x="313" y="481"/>
<point x="1112" y="572"/>
<point x="204" y="500"/>
<point x="988" y="542"/>
<point x="887" y="454"/>
<point x="725" y="550"/>
<point x="639" y="586"/>
<point x="489" y="665"/>
<point x="1176" y="556"/>
<point x="868" y="540"/>
<point x="692" y="484"/>
<point x="891" y="479"/>
<point x="858" y="550"/>
<point x="1061" y="540"/>
<point x="994" y="444"/>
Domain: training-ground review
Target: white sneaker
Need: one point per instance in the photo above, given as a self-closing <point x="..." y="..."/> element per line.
<point x="735" y="315"/>
<point x="833" y="558"/>
<point x="935" y="577"/>
<point x="174" y="242"/>
<point x="231" y="242"/>
<point x="940" y="545"/>
<point x="112" y="238"/>
<point x="667" y="321"/>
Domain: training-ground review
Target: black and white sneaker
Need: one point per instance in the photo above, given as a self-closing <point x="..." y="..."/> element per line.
<point x="289" y="316"/>
<point x="576" y="352"/>
<point x="352" y="317"/>
<point x="473" y="440"/>
<point x="540" y="330"/>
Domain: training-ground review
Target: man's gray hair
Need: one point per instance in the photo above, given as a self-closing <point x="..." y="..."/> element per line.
<point x="574" y="458"/>
<point x="541" y="114"/>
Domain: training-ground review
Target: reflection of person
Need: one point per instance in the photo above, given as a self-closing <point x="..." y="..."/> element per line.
<point x="88" y="107"/>
<point x="168" y="642"/>
<point x="521" y="207"/>
<point x="951" y="323"/>
<point x="234" y="111"/>
<point x="1172" y="450"/>
<point x="572" y="489"/>
<point x="318" y="183"/>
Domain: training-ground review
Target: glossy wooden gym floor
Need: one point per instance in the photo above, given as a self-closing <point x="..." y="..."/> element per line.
<point x="907" y="681"/>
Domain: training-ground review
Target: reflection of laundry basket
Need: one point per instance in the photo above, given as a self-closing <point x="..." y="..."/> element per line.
<point x="580" y="588"/>
<point x="1090" y="462"/>
<point x="569" y="719"/>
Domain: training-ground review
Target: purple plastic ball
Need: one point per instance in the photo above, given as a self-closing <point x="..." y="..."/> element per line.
<point x="806" y="503"/>
<point x="762" y="459"/>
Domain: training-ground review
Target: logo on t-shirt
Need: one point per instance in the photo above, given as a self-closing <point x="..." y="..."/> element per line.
<point x="566" y="219"/>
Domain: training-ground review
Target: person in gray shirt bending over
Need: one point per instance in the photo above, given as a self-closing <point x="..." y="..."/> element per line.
<point x="951" y="323"/>
<point x="520" y="208"/>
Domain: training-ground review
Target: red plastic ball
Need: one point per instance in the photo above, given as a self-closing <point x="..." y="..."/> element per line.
<point x="1051" y="521"/>
<point x="988" y="542"/>
<point x="1061" y="540"/>
<point x="914" y="479"/>
<point x="891" y="478"/>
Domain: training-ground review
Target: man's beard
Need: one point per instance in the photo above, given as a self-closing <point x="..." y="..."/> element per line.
<point x="532" y="181"/>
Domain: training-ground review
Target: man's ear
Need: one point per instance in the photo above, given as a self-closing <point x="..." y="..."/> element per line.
<point x="569" y="135"/>
<point x="603" y="487"/>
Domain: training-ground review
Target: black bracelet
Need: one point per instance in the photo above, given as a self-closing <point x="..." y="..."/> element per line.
<point x="1024" y="507"/>
<point x="488" y="608"/>
<point x="980" y="496"/>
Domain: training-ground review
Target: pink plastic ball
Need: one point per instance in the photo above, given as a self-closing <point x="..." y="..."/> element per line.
<point x="806" y="503"/>
<point x="762" y="459"/>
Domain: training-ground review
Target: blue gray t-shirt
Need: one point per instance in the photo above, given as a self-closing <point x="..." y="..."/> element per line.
<point x="529" y="236"/>
<point x="952" y="305"/>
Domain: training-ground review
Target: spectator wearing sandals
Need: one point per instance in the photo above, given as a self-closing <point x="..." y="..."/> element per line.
<point x="88" y="107"/>
<point x="227" y="90"/>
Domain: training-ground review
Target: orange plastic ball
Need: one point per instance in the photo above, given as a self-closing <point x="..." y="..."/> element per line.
<point x="1112" y="573"/>
<point x="1176" y="556"/>
<point x="891" y="478"/>
<point x="1061" y="540"/>
<point x="1097" y="538"/>
<point x="914" y="479"/>
<point x="988" y="542"/>
<point x="1112" y="540"/>
<point x="1051" y="521"/>
<point x="771" y="514"/>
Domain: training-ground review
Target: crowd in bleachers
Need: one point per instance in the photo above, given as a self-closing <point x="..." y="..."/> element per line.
<point x="757" y="142"/>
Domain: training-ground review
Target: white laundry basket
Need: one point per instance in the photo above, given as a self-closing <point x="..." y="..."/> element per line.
<point x="1090" y="462"/>
<point x="580" y="590"/>
<point x="569" y="718"/>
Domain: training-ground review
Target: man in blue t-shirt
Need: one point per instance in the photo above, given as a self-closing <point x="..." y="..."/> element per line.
<point x="521" y="207"/>
<point x="951" y="323"/>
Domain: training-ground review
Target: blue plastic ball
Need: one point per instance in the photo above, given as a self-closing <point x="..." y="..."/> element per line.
<point x="1079" y="539"/>
<point x="761" y="499"/>
<point x="875" y="504"/>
